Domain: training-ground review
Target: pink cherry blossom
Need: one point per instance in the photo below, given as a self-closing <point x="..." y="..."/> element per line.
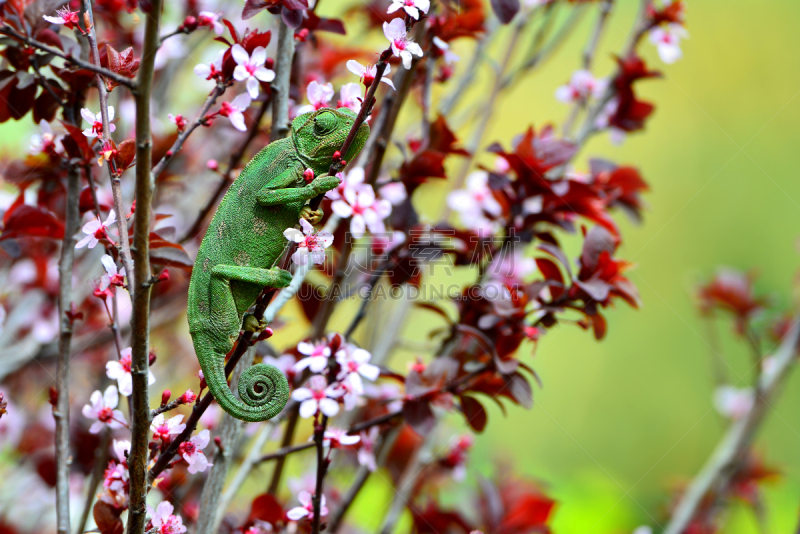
<point x="358" y="201"/>
<point x="317" y="355"/>
<point x="317" y="397"/>
<point x="102" y="410"/>
<point x="96" y="230"/>
<point x="366" y="453"/>
<point x="402" y="46"/>
<point x="668" y="41"/>
<point x="412" y="7"/>
<point x="45" y="141"/>
<point x="96" y="122"/>
<point x="319" y="95"/>
<point x="367" y="74"/>
<point x="66" y="17"/>
<point x="212" y="70"/>
<point x="350" y="97"/>
<point x="250" y="68"/>
<point x="444" y="49"/>
<point x="192" y="452"/>
<point x="234" y="110"/>
<point x="354" y="363"/>
<point x="164" y="521"/>
<point x="306" y="508"/>
<point x="732" y="402"/>
<point x="338" y="438"/>
<point x="394" y="192"/>
<point x="164" y="428"/>
<point x="112" y="276"/>
<point x="581" y="86"/>
<point x="211" y="19"/>
<point x="121" y="372"/>
<point x="475" y="201"/>
<point x="310" y="243"/>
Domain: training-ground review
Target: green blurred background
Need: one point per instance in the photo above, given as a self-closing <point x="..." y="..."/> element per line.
<point x="619" y="423"/>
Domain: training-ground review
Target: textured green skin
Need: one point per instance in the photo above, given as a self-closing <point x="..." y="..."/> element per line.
<point x="237" y="257"/>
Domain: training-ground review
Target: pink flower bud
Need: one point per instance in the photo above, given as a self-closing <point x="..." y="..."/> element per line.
<point x="151" y="358"/>
<point x="308" y="175"/>
<point x="165" y="396"/>
<point x="164" y="276"/>
<point x="212" y="165"/>
<point x="188" y="397"/>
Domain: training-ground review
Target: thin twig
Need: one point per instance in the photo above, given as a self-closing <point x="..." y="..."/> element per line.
<point x="116" y="188"/>
<point x="286" y="441"/>
<point x="406" y="484"/>
<point x="61" y="409"/>
<point x="721" y="466"/>
<point x="383" y="448"/>
<point x="280" y="86"/>
<point x="96" y="68"/>
<point x="99" y="467"/>
<point x="140" y="321"/>
<point x="283" y="452"/>
<point x="322" y="468"/>
<point x="215" y="93"/>
<point x="249" y="462"/>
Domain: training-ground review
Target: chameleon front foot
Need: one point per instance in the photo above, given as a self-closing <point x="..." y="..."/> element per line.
<point x="312" y="216"/>
<point x="251" y="324"/>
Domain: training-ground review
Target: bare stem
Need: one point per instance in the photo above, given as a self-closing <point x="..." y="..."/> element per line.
<point x="140" y="322"/>
<point x="96" y="68"/>
<point x="280" y="86"/>
<point x="116" y="189"/>
<point x="215" y="93"/>
<point x="322" y="468"/>
<point x="61" y="411"/>
<point x="721" y="466"/>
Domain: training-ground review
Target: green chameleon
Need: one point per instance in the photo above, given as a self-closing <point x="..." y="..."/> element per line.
<point x="245" y="240"/>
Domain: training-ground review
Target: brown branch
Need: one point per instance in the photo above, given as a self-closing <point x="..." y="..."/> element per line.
<point x="116" y="188"/>
<point x="288" y="437"/>
<point x="721" y="466"/>
<point x="122" y="80"/>
<point x="215" y="93"/>
<point x="140" y="322"/>
<point x="233" y="162"/>
<point x="280" y="86"/>
<point x="322" y="468"/>
<point x="384" y="447"/>
<point x="283" y="452"/>
<point x="61" y="409"/>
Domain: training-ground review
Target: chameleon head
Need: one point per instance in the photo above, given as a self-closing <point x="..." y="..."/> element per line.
<point x="318" y="134"/>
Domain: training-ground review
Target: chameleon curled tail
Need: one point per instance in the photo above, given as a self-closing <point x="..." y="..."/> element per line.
<point x="263" y="389"/>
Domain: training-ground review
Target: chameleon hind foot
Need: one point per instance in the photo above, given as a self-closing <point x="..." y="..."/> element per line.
<point x="251" y="324"/>
<point x="312" y="216"/>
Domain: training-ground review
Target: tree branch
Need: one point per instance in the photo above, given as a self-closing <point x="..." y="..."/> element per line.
<point x="124" y="246"/>
<point x="122" y="80"/>
<point x="140" y="322"/>
<point x="215" y="93"/>
<point x="721" y="466"/>
<point x="61" y="409"/>
<point x="280" y="86"/>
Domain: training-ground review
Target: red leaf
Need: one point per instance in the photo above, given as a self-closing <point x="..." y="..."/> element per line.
<point x="127" y="151"/>
<point x="474" y="413"/>
<point x="22" y="220"/>
<point x="107" y="518"/>
<point x="419" y="416"/>
<point x="520" y="390"/>
<point x="266" y="508"/>
<point x="505" y="9"/>
<point x="443" y="139"/>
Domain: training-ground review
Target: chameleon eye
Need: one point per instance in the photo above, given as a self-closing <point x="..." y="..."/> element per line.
<point x="325" y="122"/>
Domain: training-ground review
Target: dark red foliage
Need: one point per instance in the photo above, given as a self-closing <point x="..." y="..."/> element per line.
<point x="600" y="276"/>
<point x="123" y="63"/>
<point x="433" y="520"/>
<point x="672" y="13"/>
<point x="514" y="506"/>
<point x="505" y="9"/>
<point x="630" y="112"/>
<point x="15" y="101"/>
<point x="459" y="19"/>
<point x="22" y="220"/>
<point x="731" y="291"/>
